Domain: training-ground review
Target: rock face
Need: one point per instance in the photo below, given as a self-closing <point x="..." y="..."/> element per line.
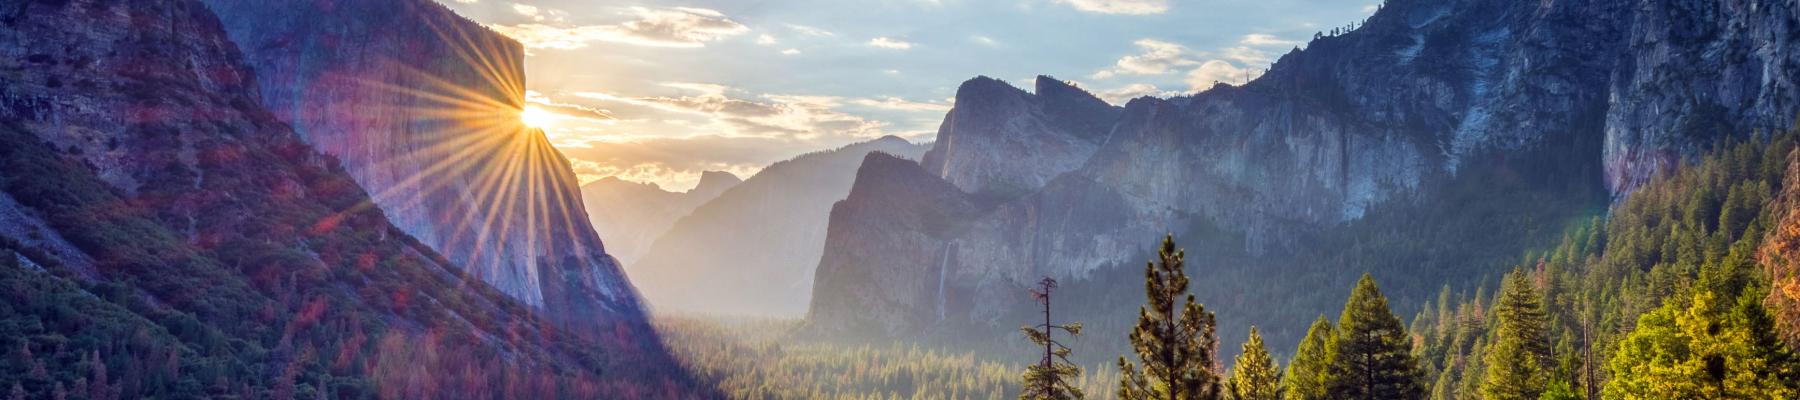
<point x="421" y="106"/>
<point x="1421" y="95"/>
<point x="632" y="215"/>
<point x="1006" y="142"/>
<point x="752" y="250"/>
<point x="143" y="177"/>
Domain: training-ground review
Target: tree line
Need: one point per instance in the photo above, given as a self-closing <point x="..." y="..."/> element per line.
<point x="1682" y="292"/>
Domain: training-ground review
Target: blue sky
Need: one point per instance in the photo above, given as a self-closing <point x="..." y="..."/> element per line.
<point x="658" y="91"/>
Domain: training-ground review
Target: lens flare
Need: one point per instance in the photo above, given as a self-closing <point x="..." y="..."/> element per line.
<point x="536" y="117"/>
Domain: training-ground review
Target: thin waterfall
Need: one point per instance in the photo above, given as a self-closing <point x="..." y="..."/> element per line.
<point x="943" y="270"/>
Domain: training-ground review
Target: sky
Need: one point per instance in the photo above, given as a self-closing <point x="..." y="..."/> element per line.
<point x="659" y="91"/>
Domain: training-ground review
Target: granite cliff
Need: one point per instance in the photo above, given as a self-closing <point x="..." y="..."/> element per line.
<point x="1534" y="112"/>
<point x="421" y="106"/>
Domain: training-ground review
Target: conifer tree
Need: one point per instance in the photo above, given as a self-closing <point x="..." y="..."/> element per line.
<point x="1053" y="376"/>
<point x="1694" y="350"/>
<point x="1518" y="362"/>
<point x="1255" y="376"/>
<point x="1306" y="373"/>
<point x="1176" y="351"/>
<point x="1372" y="356"/>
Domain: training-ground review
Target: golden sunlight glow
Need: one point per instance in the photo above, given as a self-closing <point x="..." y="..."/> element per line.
<point x="536" y="117"/>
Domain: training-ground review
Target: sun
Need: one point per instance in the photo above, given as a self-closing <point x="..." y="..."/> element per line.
<point x="535" y="117"/>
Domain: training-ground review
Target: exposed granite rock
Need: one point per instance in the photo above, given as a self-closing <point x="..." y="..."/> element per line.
<point x="420" y="105"/>
<point x="1420" y="92"/>
<point x="752" y="251"/>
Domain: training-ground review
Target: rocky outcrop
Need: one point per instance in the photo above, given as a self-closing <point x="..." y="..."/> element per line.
<point x="1399" y="112"/>
<point x="632" y="215"/>
<point x="421" y="106"/>
<point x="1004" y="142"/>
<point x="752" y="250"/>
<point x="136" y="157"/>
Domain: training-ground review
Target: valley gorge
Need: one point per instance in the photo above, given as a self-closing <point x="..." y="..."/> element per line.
<point x="1343" y="158"/>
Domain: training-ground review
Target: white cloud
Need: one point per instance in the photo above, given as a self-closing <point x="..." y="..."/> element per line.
<point x="1247" y="56"/>
<point x="766" y="40"/>
<point x="1371" y="8"/>
<point x="899" y="104"/>
<point x="1264" y="39"/>
<point x="1219" y="71"/>
<point x="467" y="1"/>
<point x="1157" y="58"/>
<point x="1124" y="94"/>
<point x="810" y="31"/>
<point x="790" y="52"/>
<point x="525" y="10"/>
<point x="985" y="41"/>
<point x="887" y="43"/>
<point x="672" y="27"/>
<point x="1125" y="7"/>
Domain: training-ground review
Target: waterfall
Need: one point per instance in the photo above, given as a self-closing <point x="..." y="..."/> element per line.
<point x="943" y="270"/>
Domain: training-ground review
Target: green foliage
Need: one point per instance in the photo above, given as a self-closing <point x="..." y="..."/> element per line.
<point x="1518" y="365"/>
<point x="1617" y="291"/>
<point x="1176" y="351"/>
<point x="1696" y="350"/>
<point x="1372" y="355"/>
<point x="1255" y="375"/>
<point x="1306" y="373"/>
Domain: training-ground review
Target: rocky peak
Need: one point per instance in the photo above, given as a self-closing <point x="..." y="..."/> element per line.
<point x="714" y="182"/>
<point x="1001" y="142"/>
<point x="438" y="178"/>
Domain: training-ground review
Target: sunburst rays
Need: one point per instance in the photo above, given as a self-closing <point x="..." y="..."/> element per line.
<point x="473" y="141"/>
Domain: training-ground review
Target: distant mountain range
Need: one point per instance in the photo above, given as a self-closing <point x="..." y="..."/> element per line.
<point x="1437" y="142"/>
<point x="632" y="215"/>
<point x="753" y="249"/>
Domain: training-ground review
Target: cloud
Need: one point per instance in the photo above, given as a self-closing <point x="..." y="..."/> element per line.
<point x="671" y="27"/>
<point x="766" y="40"/>
<point x="984" y="40"/>
<point x="1157" y="58"/>
<point x="1219" y="71"/>
<point x="1124" y="94"/>
<point x="810" y="31"/>
<point x="1124" y="7"/>
<point x="899" y="104"/>
<point x="887" y="43"/>
<point x="780" y="116"/>
<point x="525" y="10"/>
<point x="1247" y="56"/>
<point x="676" y="163"/>
<point x="1264" y="39"/>
<point x="467" y="1"/>
<point x="790" y="52"/>
<point x="566" y="109"/>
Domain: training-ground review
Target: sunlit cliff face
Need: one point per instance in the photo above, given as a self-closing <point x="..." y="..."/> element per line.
<point x="470" y="172"/>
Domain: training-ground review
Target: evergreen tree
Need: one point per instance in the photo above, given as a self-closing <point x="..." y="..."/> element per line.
<point x="1694" y="352"/>
<point x="1255" y="376"/>
<point x="1306" y="373"/>
<point x="1053" y="376"/>
<point x="1518" y="363"/>
<point x="1372" y="357"/>
<point x="1176" y="351"/>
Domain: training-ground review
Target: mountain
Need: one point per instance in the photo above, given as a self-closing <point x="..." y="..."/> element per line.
<point x="1435" y="142"/>
<point x="632" y="215"/>
<point x="159" y="224"/>
<point x="421" y="106"/>
<point x="752" y="250"/>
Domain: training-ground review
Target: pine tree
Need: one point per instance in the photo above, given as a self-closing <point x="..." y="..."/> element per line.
<point x="1176" y="351"/>
<point x="1694" y="351"/>
<point x="1306" y="373"/>
<point x="1053" y="376"/>
<point x="1518" y="363"/>
<point x="1255" y="376"/>
<point x="1372" y="357"/>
